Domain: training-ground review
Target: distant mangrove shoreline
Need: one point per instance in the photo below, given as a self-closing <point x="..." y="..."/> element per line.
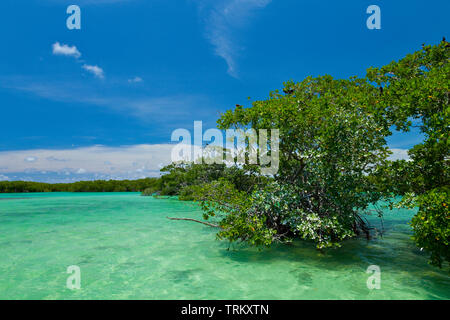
<point x="79" y="186"/>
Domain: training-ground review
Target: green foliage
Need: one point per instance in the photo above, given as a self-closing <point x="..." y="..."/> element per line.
<point x="331" y="139"/>
<point x="416" y="93"/>
<point x="395" y="178"/>
<point x="182" y="178"/>
<point x="292" y="213"/>
<point x="148" y="192"/>
<point x="221" y="200"/>
<point x="180" y="175"/>
<point x="188" y="193"/>
<point x="333" y="156"/>
<point x="247" y="228"/>
<point x="432" y="225"/>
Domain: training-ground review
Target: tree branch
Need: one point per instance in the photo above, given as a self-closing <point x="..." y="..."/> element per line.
<point x="198" y="221"/>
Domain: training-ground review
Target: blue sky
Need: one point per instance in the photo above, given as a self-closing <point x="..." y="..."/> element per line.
<point x="139" y="69"/>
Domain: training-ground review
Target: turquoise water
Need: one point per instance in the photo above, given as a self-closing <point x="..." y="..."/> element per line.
<point x="127" y="249"/>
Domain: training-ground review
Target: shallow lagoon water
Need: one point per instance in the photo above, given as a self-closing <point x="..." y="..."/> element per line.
<point x="127" y="249"/>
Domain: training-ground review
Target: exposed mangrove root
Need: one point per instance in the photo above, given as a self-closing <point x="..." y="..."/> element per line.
<point x="198" y="221"/>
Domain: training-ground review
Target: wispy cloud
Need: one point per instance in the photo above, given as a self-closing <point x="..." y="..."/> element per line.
<point x="222" y="18"/>
<point x="95" y="70"/>
<point x="146" y="108"/>
<point x="65" y="50"/>
<point x="91" y="2"/>
<point x="135" y="80"/>
<point x="52" y="158"/>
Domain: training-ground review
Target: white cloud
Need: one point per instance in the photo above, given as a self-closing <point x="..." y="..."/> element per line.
<point x="135" y="80"/>
<point x="120" y="162"/>
<point x="96" y="70"/>
<point x="96" y="162"/>
<point x="30" y="159"/>
<point x="65" y="50"/>
<point x="93" y="2"/>
<point x="399" y="154"/>
<point x="222" y="19"/>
